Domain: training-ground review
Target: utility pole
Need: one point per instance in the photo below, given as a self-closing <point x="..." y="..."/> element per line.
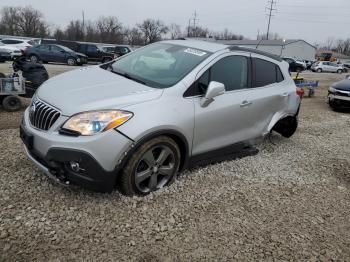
<point x="195" y="19"/>
<point x="270" y="9"/>
<point x="189" y="27"/>
<point x="83" y="13"/>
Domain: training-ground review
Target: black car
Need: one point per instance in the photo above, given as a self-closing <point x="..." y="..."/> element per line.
<point x="339" y="94"/>
<point x="94" y="52"/>
<point x="121" y="50"/>
<point x="55" y="53"/>
<point x="4" y="56"/>
<point x="294" y="66"/>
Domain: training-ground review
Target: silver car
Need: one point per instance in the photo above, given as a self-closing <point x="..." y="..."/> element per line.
<point x="327" y="67"/>
<point x="138" y="121"/>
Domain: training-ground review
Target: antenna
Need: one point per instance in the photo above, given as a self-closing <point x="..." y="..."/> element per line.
<point x="270" y="9"/>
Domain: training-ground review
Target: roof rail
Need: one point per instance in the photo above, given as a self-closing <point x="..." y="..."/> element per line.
<point x="255" y="51"/>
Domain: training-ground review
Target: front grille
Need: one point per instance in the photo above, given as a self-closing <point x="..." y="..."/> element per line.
<point x="42" y="116"/>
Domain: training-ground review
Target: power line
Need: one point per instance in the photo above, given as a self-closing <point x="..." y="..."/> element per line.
<point x="270" y="8"/>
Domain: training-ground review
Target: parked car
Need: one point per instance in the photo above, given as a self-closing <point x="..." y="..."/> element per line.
<point x="4" y="56"/>
<point x="21" y="44"/>
<point x="94" y="52"/>
<point x="55" y="53"/>
<point x="294" y="66"/>
<point x="346" y="64"/>
<point x="136" y="123"/>
<point x="108" y="48"/>
<point x="309" y="63"/>
<point x="339" y="94"/>
<point x="121" y="50"/>
<point x="326" y="66"/>
<point x="14" y="52"/>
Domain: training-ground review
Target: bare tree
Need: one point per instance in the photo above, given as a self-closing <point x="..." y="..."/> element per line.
<point x="197" y="31"/>
<point x="75" y="31"/>
<point x="152" y="30"/>
<point x="134" y="36"/>
<point x="110" y="29"/>
<point x="175" y="31"/>
<point x="24" y="21"/>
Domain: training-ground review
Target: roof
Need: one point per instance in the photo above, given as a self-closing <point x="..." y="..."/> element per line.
<point x="263" y="42"/>
<point x="202" y="45"/>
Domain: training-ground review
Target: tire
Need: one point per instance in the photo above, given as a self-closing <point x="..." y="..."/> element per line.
<point x="34" y="59"/>
<point x="148" y="161"/>
<point x="340" y="71"/>
<point x="319" y="70"/>
<point x="11" y="103"/>
<point x="287" y="126"/>
<point x="71" y="61"/>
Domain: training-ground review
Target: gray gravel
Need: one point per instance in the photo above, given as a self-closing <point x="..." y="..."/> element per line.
<point x="290" y="202"/>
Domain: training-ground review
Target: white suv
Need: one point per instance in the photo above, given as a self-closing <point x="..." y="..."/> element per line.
<point x="327" y="67"/>
<point x="21" y="44"/>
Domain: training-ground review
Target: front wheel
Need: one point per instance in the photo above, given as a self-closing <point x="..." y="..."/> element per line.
<point x="71" y="61"/>
<point x="153" y="166"/>
<point x="34" y="59"/>
<point x="319" y="70"/>
<point x="340" y="71"/>
<point x="11" y="103"/>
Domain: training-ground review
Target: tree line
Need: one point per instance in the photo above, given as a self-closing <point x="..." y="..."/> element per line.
<point x="29" y="22"/>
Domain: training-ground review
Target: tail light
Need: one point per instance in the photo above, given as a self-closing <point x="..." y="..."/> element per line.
<point x="300" y="92"/>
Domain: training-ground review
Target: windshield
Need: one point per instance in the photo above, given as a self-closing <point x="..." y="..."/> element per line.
<point x="66" y="48"/>
<point x="159" y="65"/>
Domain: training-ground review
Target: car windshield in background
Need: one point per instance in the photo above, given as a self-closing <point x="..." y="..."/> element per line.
<point x="66" y="48"/>
<point x="159" y="65"/>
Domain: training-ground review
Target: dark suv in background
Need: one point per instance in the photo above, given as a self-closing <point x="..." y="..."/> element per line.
<point x="55" y="53"/>
<point x="121" y="50"/>
<point x="94" y="52"/>
<point x="294" y="66"/>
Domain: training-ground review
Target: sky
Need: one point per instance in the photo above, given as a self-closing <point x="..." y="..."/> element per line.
<point x="311" y="20"/>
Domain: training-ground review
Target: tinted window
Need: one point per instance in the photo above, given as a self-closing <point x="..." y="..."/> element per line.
<point x="43" y="47"/>
<point x="280" y="77"/>
<point x="92" y="48"/>
<point x="232" y="71"/>
<point x="56" y="48"/>
<point x="265" y="73"/>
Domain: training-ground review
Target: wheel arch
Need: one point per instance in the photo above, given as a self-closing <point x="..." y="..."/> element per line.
<point x="179" y="138"/>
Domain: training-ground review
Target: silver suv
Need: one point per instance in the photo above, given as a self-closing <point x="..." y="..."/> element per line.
<point x="138" y="121"/>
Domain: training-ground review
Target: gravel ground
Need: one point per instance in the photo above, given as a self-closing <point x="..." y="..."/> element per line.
<point x="290" y="202"/>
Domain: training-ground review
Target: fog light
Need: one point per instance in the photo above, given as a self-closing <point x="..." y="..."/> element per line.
<point x="75" y="166"/>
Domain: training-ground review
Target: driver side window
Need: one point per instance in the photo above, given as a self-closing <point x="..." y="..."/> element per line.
<point x="232" y="71"/>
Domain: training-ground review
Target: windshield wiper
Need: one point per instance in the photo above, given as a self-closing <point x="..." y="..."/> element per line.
<point x="126" y="75"/>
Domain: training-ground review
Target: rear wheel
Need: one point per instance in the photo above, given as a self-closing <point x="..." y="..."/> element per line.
<point x="340" y="71"/>
<point x="11" y="103"/>
<point x="153" y="166"/>
<point x="287" y="126"/>
<point x="71" y="61"/>
<point x="319" y="70"/>
<point x="34" y="59"/>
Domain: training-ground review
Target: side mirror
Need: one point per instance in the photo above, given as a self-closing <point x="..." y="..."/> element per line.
<point x="214" y="89"/>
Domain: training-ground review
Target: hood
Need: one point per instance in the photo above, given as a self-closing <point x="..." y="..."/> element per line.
<point x="342" y="85"/>
<point x="93" y="88"/>
<point x="80" y="54"/>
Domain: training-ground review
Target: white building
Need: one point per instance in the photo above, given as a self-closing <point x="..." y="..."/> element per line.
<point x="297" y="49"/>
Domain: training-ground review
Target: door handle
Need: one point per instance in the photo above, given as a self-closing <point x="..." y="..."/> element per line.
<point x="246" y="103"/>
<point x="285" y="95"/>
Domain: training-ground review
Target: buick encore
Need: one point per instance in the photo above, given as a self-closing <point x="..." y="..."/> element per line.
<point x="135" y="123"/>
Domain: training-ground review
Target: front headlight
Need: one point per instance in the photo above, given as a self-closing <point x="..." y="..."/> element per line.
<point x="94" y="122"/>
<point x="332" y="90"/>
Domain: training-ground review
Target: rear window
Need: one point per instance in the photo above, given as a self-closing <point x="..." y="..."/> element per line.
<point x="266" y="73"/>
